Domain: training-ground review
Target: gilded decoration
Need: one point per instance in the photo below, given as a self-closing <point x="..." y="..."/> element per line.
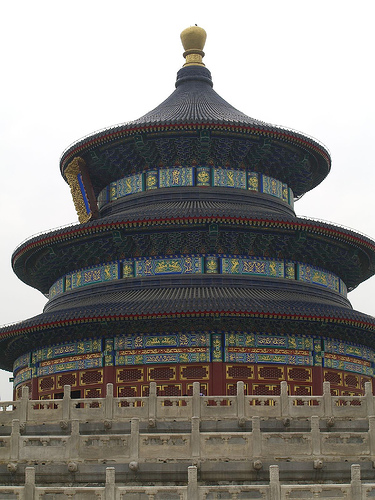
<point x="203" y="176"/>
<point x="252" y="181"/>
<point x="345" y="349"/>
<point x="109" y="353"/>
<point x="285" y="193"/>
<point x="21" y="362"/>
<point x="345" y="364"/>
<point x="168" y="348"/>
<point x="71" y="348"/>
<point x="71" y="363"/>
<point x="211" y="265"/>
<point x="90" y="276"/>
<point x="130" y="185"/>
<point x="247" y="355"/>
<point x="195" y="264"/>
<point x="173" y="265"/>
<point x="177" y="176"/>
<point x="22" y="376"/>
<point x="195" y="347"/>
<point x="165" y="177"/>
<point x="182" y="339"/>
<point x="128" y="269"/>
<point x="272" y="186"/>
<point x="229" y="178"/>
<point x="193" y="40"/>
<point x="152" y="179"/>
<point x="290" y="272"/>
<point x="244" y="347"/>
<point x="113" y="191"/>
<point x="317" y="276"/>
<point x="217" y="348"/>
<point x="82" y="193"/>
<point x="142" y="357"/>
<point x="57" y="288"/>
<point x="253" y="266"/>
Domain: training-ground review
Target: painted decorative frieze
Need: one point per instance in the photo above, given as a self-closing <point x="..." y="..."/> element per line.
<point x="196" y="264"/>
<point x="63" y="350"/>
<point x="317" y="276"/>
<point x="82" y="362"/>
<point x="272" y="186"/>
<point x="254" y="266"/>
<point x="223" y="177"/>
<point x="345" y="349"/>
<point x="201" y="176"/>
<point x="173" y="265"/>
<point x="177" y="176"/>
<point x="90" y="276"/>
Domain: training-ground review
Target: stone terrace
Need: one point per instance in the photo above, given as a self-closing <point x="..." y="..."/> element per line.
<point x="190" y="447"/>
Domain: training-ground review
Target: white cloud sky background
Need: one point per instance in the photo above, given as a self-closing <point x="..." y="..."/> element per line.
<point x="70" y="68"/>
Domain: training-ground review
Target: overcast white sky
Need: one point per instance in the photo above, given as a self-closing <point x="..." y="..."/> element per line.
<point x="72" y="67"/>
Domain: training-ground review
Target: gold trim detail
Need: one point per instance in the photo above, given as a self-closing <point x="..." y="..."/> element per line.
<point x="76" y="168"/>
<point x="193" y="40"/>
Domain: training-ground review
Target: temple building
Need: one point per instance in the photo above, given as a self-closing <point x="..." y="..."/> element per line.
<point x="188" y="263"/>
<point x="197" y="330"/>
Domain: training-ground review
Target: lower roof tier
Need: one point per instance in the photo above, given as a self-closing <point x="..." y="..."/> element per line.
<point x="129" y="306"/>
<point x="194" y="227"/>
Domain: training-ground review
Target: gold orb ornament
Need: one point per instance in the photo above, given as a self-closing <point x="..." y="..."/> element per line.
<point x="193" y="40"/>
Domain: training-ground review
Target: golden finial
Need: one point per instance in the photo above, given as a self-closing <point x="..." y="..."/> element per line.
<point x="193" y="40"/>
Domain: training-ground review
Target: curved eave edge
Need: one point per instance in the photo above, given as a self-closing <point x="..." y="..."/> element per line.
<point x="96" y="227"/>
<point x="109" y="135"/>
<point x="13" y="330"/>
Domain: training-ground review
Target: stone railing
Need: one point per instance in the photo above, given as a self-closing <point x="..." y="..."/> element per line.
<point x="273" y="490"/>
<point x="74" y="444"/>
<point x="155" y="407"/>
<point x="197" y="428"/>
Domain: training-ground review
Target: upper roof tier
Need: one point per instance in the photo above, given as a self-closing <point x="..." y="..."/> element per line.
<point x="195" y="126"/>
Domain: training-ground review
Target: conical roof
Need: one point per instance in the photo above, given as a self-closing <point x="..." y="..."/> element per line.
<point x="193" y="109"/>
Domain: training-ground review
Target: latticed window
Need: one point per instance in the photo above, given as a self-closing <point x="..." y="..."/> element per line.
<point x="332" y="377"/>
<point x="266" y="390"/>
<point x="302" y="391"/>
<point x="92" y="377"/>
<point x="129" y="374"/>
<point x="240" y="372"/>
<point x="169" y="390"/>
<point x="93" y="393"/>
<point x="47" y="383"/>
<point x="271" y="372"/>
<point x="298" y="374"/>
<point x="194" y="372"/>
<point x="162" y="373"/>
<point x="67" y="379"/>
<point x="351" y="380"/>
<point x="127" y="392"/>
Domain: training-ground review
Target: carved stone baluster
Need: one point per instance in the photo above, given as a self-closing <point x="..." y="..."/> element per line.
<point x="29" y="483"/>
<point x="355" y="483"/>
<point x="195" y="437"/>
<point x="134" y="439"/>
<point x="110" y="480"/>
<point x="284" y="399"/>
<point x="257" y="438"/>
<point x="192" y="489"/>
<point x="274" y="482"/>
<point x="327" y="398"/>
